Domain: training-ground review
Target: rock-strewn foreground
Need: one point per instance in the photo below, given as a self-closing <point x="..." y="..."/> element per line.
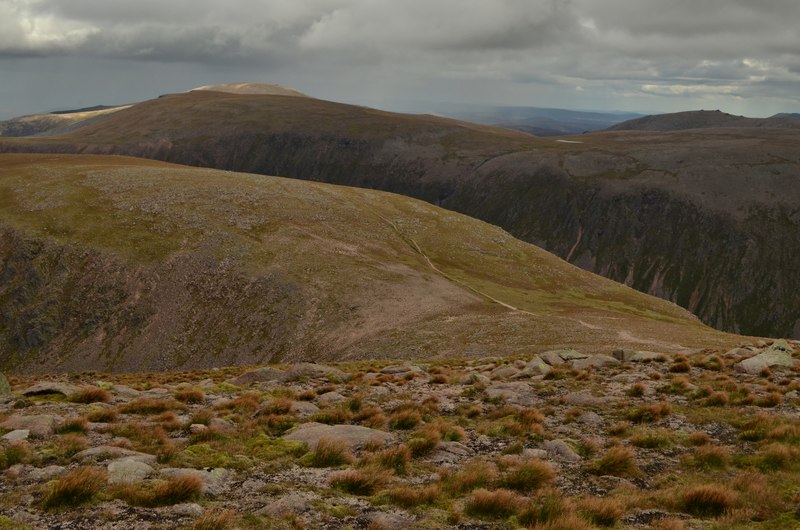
<point x="557" y="440"/>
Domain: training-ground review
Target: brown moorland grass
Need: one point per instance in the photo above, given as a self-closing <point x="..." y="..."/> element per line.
<point x="409" y="496"/>
<point x="602" y="511"/>
<point x="708" y="500"/>
<point x="494" y="504"/>
<point x="174" y="490"/>
<point x="91" y="394"/>
<point x="617" y="461"/>
<point x="362" y="481"/>
<point x="77" y="487"/>
<point x="527" y="476"/>
<point x="330" y="452"/>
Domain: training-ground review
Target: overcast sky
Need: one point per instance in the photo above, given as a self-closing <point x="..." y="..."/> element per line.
<point x="740" y="56"/>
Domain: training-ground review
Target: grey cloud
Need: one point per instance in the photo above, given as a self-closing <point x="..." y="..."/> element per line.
<point x="729" y="49"/>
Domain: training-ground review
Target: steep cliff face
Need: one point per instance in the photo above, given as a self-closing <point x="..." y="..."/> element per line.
<point x="706" y="219"/>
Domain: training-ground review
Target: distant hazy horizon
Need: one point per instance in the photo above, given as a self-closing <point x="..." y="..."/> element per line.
<point x="639" y="56"/>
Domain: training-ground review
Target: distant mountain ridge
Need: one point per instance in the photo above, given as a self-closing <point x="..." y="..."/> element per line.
<point x="707" y="218"/>
<point x="704" y="119"/>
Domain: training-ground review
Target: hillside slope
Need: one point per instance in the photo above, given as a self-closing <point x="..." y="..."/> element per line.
<point x="54" y="122"/>
<point x="121" y="264"/>
<point x="707" y="218"/>
<point x="703" y="119"/>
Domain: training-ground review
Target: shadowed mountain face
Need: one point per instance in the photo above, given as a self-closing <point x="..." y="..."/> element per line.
<point x="703" y="119"/>
<point x="120" y="264"/>
<point x="707" y="218"/>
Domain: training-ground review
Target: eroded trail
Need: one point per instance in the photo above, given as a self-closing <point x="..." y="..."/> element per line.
<point x="415" y="246"/>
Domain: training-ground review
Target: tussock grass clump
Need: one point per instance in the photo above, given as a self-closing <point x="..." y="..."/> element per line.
<point x="146" y="406"/>
<point x="680" y="367"/>
<point x="423" y="441"/>
<point x="215" y="520"/>
<point x="329" y="453"/>
<point x="334" y="415"/>
<point x="175" y="490"/>
<point x="475" y="474"/>
<point x="717" y="399"/>
<point x="410" y="496"/>
<point x="545" y="508"/>
<point x="404" y="419"/>
<point x="602" y="511"/>
<point x="16" y="453"/>
<point x="397" y="459"/>
<point x="527" y="476"/>
<point x="91" y="394"/>
<point x="189" y="395"/>
<point x="363" y="481"/>
<point x="773" y="399"/>
<point x="652" y="438"/>
<point x="698" y="438"/>
<point x="247" y="402"/>
<point x="778" y="456"/>
<point x="650" y="413"/>
<point x="68" y="445"/>
<point x="618" y="461"/>
<point x="677" y="385"/>
<point x="495" y="504"/>
<point x="75" y="424"/>
<point x="102" y="415"/>
<point x="636" y="390"/>
<point x="708" y="500"/>
<point x="711" y="457"/>
<point x="77" y="487"/>
<point x="566" y="522"/>
<point x="370" y="416"/>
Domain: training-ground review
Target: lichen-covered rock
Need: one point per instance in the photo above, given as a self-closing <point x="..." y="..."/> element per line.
<point x="39" y="425"/>
<point x="353" y="435"/>
<point x="51" y="387"/>
<point x="5" y="386"/>
<point x="314" y="371"/>
<point x="594" y="361"/>
<point x="128" y="471"/>
<point x="779" y="354"/>
<point x="563" y="356"/>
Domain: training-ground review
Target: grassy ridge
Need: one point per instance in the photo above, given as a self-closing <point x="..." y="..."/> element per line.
<point x="224" y="268"/>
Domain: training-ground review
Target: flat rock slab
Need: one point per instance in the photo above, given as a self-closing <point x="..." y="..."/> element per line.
<point x="128" y="471"/>
<point x="594" y="361"/>
<point x="584" y="399"/>
<point x="17" y="435"/>
<point x="516" y="393"/>
<point x="51" y="387"/>
<point x="449" y="453"/>
<point x="39" y="425"/>
<point x="779" y="354"/>
<point x="559" y="357"/>
<point x="111" y="452"/>
<point x="504" y="372"/>
<point x="354" y="436"/>
<point x="315" y="371"/>
<point x="536" y="366"/>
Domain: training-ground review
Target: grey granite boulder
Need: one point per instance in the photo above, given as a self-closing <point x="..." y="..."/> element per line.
<point x="39" y="425"/>
<point x="128" y="471"/>
<point x="354" y="436"/>
<point x="777" y="355"/>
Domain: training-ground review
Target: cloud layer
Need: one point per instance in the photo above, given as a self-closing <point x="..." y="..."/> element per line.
<point x="605" y="51"/>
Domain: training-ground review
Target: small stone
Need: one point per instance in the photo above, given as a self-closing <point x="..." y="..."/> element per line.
<point x="197" y="428"/>
<point x="187" y="509"/>
<point x="541" y="454"/>
<point x="594" y="361"/>
<point x="303" y="408"/>
<point x="389" y="520"/>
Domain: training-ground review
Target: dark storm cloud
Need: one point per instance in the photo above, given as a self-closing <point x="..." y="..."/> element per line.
<point x="636" y="50"/>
